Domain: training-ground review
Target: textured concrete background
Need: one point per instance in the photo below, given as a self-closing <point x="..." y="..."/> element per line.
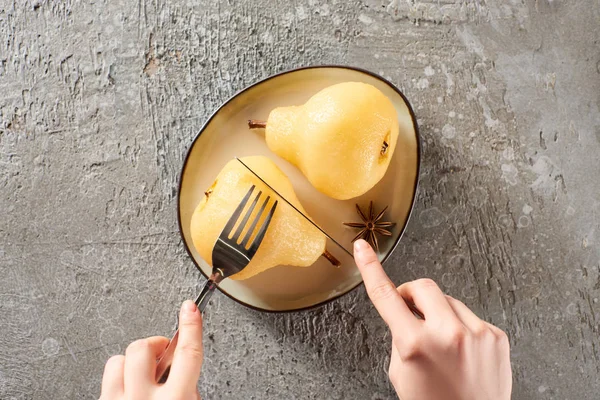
<point x="100" y="99"/>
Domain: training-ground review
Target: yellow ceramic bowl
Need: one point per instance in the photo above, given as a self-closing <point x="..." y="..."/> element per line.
<point x="226" y="135"/>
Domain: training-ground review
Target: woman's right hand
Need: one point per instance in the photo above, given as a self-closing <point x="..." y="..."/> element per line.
<point x="133" y="376"/>
<point x="451" y="354"/>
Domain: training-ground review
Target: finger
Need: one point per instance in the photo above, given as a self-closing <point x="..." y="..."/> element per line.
<point x="382" y="291"/>
<point x="187" y="360"/>
<point x="497" y="331"/>
<point x="429" y="299"/>
<point x="140" y="363"/>
<point x="500" y="335"/>
<point x="112" y="381"/>
<point x="467" y="317"/>
<point x="395" y="361"/>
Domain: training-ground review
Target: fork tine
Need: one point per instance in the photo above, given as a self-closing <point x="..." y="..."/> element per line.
<point x="242" y="224"/>
<point x="248" y="235"/>
<point x="263" y="230"/>
<point x="238" y="211"/>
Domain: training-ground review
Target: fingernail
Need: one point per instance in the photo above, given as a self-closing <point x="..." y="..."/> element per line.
<point x="188" y="307"/>
<point x="361" y="245"/>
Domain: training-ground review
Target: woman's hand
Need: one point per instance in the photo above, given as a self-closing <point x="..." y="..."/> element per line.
<point x="451" y="354"/>
<point x="132" y="376"/>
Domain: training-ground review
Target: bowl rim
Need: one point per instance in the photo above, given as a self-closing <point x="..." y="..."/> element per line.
<point x="413" y="201"/>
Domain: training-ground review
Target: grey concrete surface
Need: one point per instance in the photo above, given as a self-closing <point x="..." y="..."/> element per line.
<point x="100" y="99"/>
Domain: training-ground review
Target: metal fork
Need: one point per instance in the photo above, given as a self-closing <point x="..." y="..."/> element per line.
<point x="231" y="254"/>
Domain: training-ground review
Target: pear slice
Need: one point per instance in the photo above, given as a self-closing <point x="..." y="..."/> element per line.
<point x="290" y="238"/>
<point x="342" y="138"/>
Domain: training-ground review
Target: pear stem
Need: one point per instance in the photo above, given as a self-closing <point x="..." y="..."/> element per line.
<point x="331" y="258"/>
<point x="256" y="123"/>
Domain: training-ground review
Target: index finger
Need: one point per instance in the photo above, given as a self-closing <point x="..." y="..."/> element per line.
<point x="382" y="291"/>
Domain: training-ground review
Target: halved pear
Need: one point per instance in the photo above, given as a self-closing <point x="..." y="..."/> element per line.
<point x="290" y="238"/>
<point x="342" y="138"/>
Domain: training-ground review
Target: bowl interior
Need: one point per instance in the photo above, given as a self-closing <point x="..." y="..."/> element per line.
<point x="226" y="136"/>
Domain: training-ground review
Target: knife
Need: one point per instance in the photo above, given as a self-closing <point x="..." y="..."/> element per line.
<point x="410" y="304"/>
<point x="294" y="207"/>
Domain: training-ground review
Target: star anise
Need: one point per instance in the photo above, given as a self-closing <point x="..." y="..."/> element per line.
<point x="371" y="226"/>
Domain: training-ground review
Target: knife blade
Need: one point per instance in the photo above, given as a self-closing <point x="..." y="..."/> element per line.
<point x="294" y="207"/>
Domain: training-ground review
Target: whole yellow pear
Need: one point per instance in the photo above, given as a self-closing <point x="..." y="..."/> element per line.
<point x="290" y="239"/>
<point x="342" y="138"/>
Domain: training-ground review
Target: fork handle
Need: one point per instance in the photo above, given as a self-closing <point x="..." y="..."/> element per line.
<point x="163" y="363"/>
<point x="208" y="289"/>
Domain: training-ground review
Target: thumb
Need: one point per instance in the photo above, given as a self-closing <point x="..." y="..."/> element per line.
<point x="187" y="360"/>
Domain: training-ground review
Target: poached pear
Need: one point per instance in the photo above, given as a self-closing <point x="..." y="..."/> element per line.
<point x="290" y="238"/>
<point x="342" y="138"/>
